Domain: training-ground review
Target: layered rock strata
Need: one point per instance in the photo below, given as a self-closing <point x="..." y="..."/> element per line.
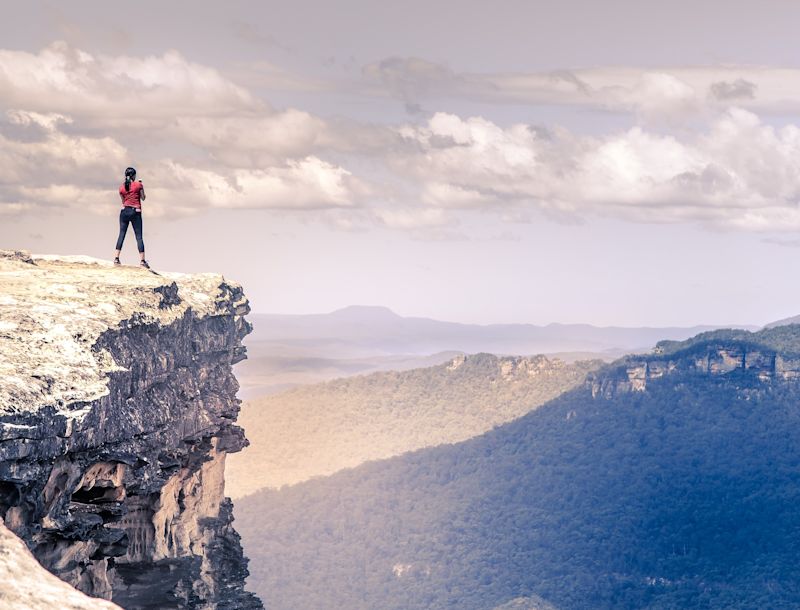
<point x="712" y="357"/>
<point x="117" y="409"/>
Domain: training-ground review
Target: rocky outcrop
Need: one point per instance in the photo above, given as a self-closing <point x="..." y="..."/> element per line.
<point x="531" y="602"/>
<point x="712" y="357"/>
<point x="117" y="409"/>
<point x="513" y="367"/>
<point x="28" y="586"/>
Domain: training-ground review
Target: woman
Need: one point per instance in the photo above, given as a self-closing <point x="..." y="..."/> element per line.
<point x="131" y="193"/>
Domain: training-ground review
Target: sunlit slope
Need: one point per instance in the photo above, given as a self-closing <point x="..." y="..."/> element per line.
<point x="317" y="430"/>
<point x="667" y="481"/>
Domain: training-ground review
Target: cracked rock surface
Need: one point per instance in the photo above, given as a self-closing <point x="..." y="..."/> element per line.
<point x="117" y="409"/>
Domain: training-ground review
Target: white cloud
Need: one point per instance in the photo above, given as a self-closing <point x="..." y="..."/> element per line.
<point x="217" y="145"/>
<point x="14" y="208"/>
<point x="118" y="90"/>
<point x="250" y="155"/>
<point x="54" y="155"/>
<point x="48" y="121"/>
<point x="70" y="195"/>
<point x="669" y="92"/>
<point x="309" y="183"/>
<point x="444" y="195"/>
<point x="47" y="167"/>
<point x="166" y="99"/>
<point x="740" y="174"/>
<point x="255" y="139"/>
<point x="235" y="149"/>
<point x="412" y="218"/>
<point x="658" y="95"/>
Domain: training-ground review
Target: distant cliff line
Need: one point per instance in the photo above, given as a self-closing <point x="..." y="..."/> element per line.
<point x="769" y="354"/>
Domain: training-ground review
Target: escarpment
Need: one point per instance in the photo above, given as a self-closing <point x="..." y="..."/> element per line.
<point x="117" y="409"/>
<point x="769" y="355"/>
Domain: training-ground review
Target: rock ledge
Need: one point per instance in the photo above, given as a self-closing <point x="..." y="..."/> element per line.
<point x="117" y="408"/>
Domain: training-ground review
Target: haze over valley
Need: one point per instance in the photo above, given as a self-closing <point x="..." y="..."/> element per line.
<point x="289" y="350"/>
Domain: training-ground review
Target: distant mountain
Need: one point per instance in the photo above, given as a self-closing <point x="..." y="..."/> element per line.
<point x="318" y="429"/>
<point x="358" y="331"/>
<point x="365" y="314"/>
<point x="269" y="370"/>
<point x="666" y="481"/>
<point x="285" y="351"/>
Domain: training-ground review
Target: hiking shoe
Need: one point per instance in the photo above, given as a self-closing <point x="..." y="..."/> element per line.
<point x="116" y="262"/>
<point x="144" y="265"/>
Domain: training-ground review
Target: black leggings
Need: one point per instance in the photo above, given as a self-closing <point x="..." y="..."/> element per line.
<point x="133" y="216"/>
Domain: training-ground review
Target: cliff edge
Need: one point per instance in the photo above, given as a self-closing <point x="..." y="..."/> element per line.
<point x="117" y="409"/>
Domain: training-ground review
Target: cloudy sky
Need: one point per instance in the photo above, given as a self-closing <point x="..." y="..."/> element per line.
<point x="623" y="162"/>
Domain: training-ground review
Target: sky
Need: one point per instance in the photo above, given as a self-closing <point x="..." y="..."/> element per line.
<point x="619" y="163"/>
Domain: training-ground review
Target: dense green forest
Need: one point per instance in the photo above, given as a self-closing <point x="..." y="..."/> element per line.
<point x="320" y="429"/>
<point x="686" y="495"/>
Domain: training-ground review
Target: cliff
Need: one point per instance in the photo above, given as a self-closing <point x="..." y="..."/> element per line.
<point x="117" y="409"/>
<point x="772" y="354"/>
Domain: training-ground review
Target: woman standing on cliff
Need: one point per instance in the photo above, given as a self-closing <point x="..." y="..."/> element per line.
<point x="131" y="193"/>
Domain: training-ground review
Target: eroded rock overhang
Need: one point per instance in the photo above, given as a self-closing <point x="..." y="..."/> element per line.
<point x="117" y="408"/>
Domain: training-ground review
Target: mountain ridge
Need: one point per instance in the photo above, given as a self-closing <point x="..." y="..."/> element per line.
<point x="289" y="350"/>
<point x="318" y="429"/>
<point x="379" y="330"/>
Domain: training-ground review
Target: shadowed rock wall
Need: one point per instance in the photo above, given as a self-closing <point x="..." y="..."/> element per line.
<point x="117" y="409"/>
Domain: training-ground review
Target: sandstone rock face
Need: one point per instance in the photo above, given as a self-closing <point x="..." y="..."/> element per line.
<point x="117" y="409"/>
<point x="711" y="358"/>
<point x="28" y="586"/>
